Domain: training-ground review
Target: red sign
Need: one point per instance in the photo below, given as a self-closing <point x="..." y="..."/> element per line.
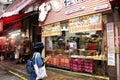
<point x="1" y="25"/>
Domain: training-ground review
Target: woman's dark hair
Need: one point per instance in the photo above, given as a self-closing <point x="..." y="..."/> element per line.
<point x="38" y="47"/>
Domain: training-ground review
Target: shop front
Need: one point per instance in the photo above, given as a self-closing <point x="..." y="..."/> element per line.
<point x="77" y="44"/>
<point x="76" y="36"/>
<point x="15" y="38"/>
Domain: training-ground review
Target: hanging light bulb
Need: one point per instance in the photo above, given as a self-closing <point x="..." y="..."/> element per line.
<point x="23" y="35"/>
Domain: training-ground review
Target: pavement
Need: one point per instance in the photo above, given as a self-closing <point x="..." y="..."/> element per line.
<point x="53" y="73"/>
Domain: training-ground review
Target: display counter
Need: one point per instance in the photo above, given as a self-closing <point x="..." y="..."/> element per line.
<point x="103" y="58"/>
<point x="77" y="63"/>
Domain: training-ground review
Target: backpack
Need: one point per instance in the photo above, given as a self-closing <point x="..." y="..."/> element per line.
<point x="29" y="66"/>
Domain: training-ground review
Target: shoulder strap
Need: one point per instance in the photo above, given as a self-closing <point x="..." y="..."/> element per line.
<point x="35" y="56"/>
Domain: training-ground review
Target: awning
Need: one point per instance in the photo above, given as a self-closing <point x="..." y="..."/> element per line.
<point x="15" y="7"/>
<point x="11" y="22"/>
<point x="7" y="20"/>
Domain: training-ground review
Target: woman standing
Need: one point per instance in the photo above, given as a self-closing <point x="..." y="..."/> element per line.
<point x="67" y="45"/>
<point x="16" y="55"/>
<point x="37" y="58"/>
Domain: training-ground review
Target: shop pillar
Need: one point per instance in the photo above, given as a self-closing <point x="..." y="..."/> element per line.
<point x="114" y="71"/>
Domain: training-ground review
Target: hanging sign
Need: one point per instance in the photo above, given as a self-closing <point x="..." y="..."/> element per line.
<point x="110" y="38"/>
<point x="51" y="30"/>
<point x="111" y="59"/>
<point x="1" y="25"/>
<point x="85" y="23"/>
<point x="110" y="44"/>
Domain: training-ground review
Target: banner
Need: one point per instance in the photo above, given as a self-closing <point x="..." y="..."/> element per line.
<point x="51" y="30"/>
<point x="85" y="23"/>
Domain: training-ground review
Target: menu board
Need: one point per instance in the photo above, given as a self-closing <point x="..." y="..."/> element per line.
<point x="51" y="30"/>
<point x="110" y="44"/>
<point x="85" y="23"/>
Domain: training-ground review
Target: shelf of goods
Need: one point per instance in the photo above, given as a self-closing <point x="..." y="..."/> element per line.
<point x="59" y="60"/>
<point x="85" y="64"/>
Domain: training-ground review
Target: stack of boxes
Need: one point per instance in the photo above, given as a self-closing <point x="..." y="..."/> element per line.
<point x="59" y="60"/>
<point x="55" y="60"/>
<point x="49" y="62"/>
<point x="76" y="64"/>
<point x="88" y="66"/>
<point x="64" y="61"/>
<point x="81" y="65"/>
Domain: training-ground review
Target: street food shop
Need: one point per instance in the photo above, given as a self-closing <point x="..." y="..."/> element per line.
<point x="77" y="34"/>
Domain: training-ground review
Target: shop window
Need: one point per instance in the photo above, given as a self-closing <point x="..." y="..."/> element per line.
<point x="84" y="43"/>
<point x="80" y="51"/>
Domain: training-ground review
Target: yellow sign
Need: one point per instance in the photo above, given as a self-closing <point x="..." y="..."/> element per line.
<point x="51" y="30"/>
<point x="85" y="23"/>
